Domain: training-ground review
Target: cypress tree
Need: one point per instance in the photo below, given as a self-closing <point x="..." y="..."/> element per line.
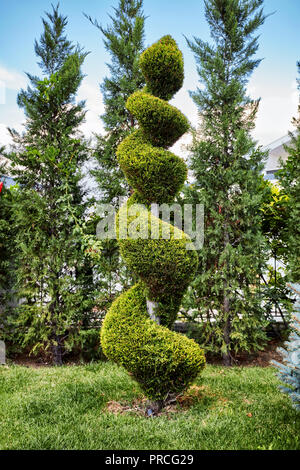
<point x="124" y="40"/>
<point x="226" y="164"/>
<point x="4" y="227"/>
<point x="54" y="277"/>
<point x="289" y="178"/>
<point x="274" y="211"/>
<point x="7" y="267"/>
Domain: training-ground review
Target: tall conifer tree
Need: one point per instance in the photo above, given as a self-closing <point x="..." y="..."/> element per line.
<point x="7" y="267"/>
<point x="289" y="178"/>
<point x="124" y="41"/>
<point x="226" y="164"/>
<point x="52" y="267"/>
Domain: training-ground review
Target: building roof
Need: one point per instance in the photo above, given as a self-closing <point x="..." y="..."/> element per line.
<point x="277" y="153"/>
<point x="277" y="143"/>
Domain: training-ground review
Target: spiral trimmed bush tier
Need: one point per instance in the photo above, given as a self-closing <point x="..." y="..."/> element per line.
<point x="162" y="361"/>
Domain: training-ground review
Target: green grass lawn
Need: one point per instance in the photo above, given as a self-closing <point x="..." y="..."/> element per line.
<point x="66" y="408"/>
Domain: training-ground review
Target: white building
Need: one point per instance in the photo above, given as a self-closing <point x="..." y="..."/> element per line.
<point x="276" y="153"/>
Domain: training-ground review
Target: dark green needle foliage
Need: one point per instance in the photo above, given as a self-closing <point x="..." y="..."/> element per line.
<point x="54" y="276"/>
<point x="289" y="178"/>
<point x="124" y="41"/>
<point x="226" y="164"/>
<point x="7" y="265"/>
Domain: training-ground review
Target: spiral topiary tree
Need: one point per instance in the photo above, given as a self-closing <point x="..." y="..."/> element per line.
<point x="135" y="332"/>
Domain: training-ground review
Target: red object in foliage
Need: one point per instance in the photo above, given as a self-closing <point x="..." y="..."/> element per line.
<point x="1" y="186"/>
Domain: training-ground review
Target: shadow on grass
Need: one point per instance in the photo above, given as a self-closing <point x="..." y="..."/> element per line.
<point x="200" y="397"/>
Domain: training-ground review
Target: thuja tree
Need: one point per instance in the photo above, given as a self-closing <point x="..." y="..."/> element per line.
<point x="289" y="178"/>
<point x="7" y="267"/>
<point x="226" y="165"/>
<point x="3" y="228"/>
<point x="124" y="41"/>
<point x="275" y="213"/>
<point x="6" y="249"/>
<point x="54" y="276"/>
<point x="135" y="331"/>
<point x="5" y="237"/>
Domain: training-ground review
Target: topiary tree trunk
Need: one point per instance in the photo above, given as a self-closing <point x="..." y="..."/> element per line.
<point x="162" y="361"/>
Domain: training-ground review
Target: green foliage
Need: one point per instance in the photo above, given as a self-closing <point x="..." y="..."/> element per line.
<point x="162" y="66"/>
<point x="274" y="218"/>
<point x="124" y="41"/>
<point x="87" y="345"/>
<point x="274" y="211"/>
<point x="7" y="265"/>
<point x="276" y="294"/>
<point x="45" y="98"/>
<point x="53" y="48"/>
<point x="163" y="362"/>
<point x="227" y="164"/>
<point x="153" y="259"/>
<point x="54" y="275"/>
<point x="155" y="173"/>
<point x="289" y="178"/>
<point x="162" y="125"/>
<point x="6" y="239"/>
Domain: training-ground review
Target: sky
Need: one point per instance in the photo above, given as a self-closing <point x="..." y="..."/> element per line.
<point x="274" y="81"/>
